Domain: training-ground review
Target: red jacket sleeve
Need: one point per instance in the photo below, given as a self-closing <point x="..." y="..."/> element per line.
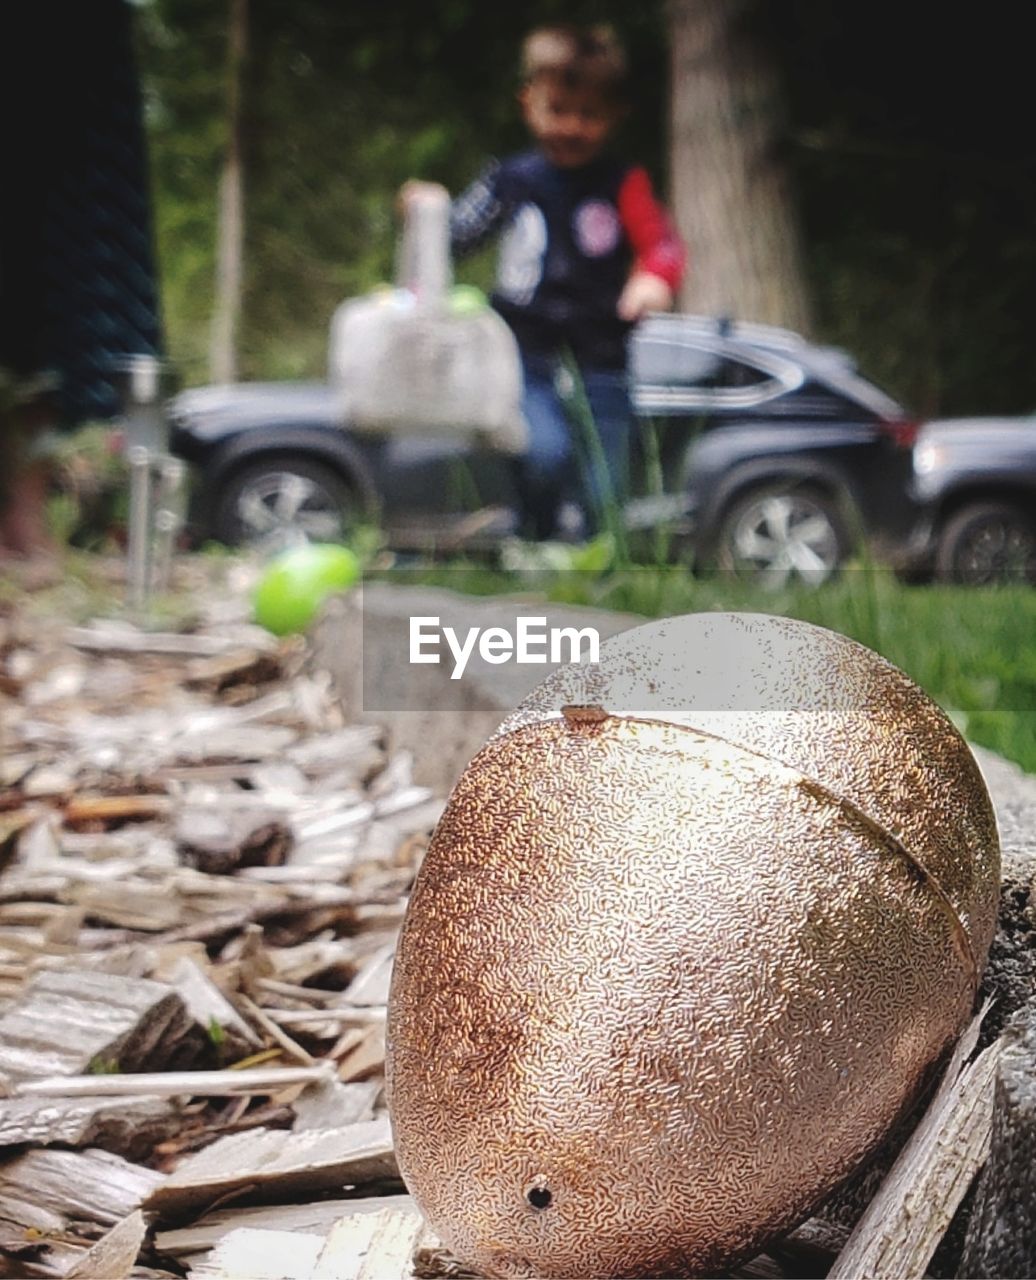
<point x="657" y="248"/>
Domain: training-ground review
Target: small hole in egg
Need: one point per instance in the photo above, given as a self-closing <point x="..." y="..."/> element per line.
<point x="539" y="1197"/>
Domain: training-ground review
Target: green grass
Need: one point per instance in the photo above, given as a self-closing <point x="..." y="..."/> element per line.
<point x="972" y="649"/>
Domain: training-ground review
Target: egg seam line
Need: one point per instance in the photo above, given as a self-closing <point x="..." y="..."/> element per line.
<point x="819" y="791"/>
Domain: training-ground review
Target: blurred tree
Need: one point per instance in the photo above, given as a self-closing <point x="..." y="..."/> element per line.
<point x="230" y="227"/>
<point x="182" y="46"/>
<point x="729" y="190"/>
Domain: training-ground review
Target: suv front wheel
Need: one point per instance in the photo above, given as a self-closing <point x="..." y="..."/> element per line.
<point x="780" y="534"/>
<point x="272" y="502"/>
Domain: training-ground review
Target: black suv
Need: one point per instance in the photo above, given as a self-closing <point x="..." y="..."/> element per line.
<point x="761" y="452"/>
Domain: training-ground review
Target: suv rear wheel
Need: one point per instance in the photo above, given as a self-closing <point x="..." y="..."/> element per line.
<point x="985" y="543"/>
<point x="272" y="502"/>
<point x="780" y="534"/>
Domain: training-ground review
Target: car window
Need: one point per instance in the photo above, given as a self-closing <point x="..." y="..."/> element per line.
<point x="662" y="360"/>
<point x="736" y="373"/>
<point x="691" y="375"/>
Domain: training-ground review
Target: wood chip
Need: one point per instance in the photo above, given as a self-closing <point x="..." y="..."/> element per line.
<point x="219" y="840"/>
<point x="365" y="1246"/>
<point x="433" y="1261"/>
<point x="371" y="984"/>
<point x="903" y="1224"/>
<point x="291" y="1163"/>
<point x="366" y="1058"/>
<point x="370" y="1247"/>
<point x="119" y="639"/>
<point x="114" y="1255"/>
<point x="128" y="1126"/>
<point x="1001" y="1235"/>
<point x="69" y="1022"/>
<point x="238" y="666"/>
<point x="210" y="1008"/>
<point x="251" y="1254"/>
<point x="332" y="1105"/>
<point x="315" y="1218"/>
<point x="86" y="810"/>
<point x="91" y="1185"/>
<point x="276" y="1034"/>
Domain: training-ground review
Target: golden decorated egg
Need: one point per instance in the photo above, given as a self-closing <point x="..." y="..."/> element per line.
<point x="693" y="927"/>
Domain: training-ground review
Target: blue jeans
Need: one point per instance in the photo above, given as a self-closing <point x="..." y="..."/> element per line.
<point x="579" y="438"/>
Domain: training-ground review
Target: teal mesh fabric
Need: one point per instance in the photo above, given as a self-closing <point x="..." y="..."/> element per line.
<point x="77" y="273"/>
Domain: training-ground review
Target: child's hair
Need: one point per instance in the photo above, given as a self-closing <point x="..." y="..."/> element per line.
<point x="576" y="57"/>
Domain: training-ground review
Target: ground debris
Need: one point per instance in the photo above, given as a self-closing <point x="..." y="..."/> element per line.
<point x="203" y="870"/>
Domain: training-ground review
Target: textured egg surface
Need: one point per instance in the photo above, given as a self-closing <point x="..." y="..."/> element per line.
<point x="672" y="968"/>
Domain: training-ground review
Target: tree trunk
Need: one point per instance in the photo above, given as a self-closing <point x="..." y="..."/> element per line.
<point x="223" y="348"/>
<point x="729" y="193"/>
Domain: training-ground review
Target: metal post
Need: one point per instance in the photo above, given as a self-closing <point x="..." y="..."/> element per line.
<point x="139" y="378"/>
<point x="168" y="520"/>
<point x="139" y="539"/>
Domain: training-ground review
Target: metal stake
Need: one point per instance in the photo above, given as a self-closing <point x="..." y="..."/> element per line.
<point x="139" y="459"/>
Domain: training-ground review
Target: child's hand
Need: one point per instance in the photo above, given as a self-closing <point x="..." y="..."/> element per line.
<point x="415" y="188"/>
<point x="643" y="293"/>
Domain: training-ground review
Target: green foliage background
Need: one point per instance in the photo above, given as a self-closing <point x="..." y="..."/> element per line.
<point x="916" y="180"/>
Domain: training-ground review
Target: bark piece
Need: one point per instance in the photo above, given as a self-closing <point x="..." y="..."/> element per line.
<point x="115" y="638"/>
<point x="370" y="1247"/>
<point x="332" y="1105"/>
<point x="240" y="666"/>
<point x="315" y="1219"/>
<point x="128" y="1126"/>
<point x="267" y="1160"/>
<point x="107" y="810"/>
<point x="1001" y="1236"/>
<point x="1010" y="977"/>
<point x="905" y="1221"/>
<point x="113" y="1256"/>
<point x="69" y="1022"/>
<point x="361" y="1246"/>
<point x="366" y="1058"/>
<point x="371" y="984"/>
<point x="218" y="840"/>
<point x="261" y="1255"/>
<point x="124" y="903"/>
<point x="93" y="1185"/>
<point x="433" y="1261"/>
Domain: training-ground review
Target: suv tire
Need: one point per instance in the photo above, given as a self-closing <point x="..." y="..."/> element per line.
<point x="782" y="533"/>
<point x="985" y="543"/>
<point x="273" y="501"/>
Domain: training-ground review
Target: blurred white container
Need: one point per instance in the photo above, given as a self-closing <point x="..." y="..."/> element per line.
<point x="404" y="360"/>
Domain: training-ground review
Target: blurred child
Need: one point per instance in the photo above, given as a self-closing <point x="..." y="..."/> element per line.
<point x="585" y="252"/>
